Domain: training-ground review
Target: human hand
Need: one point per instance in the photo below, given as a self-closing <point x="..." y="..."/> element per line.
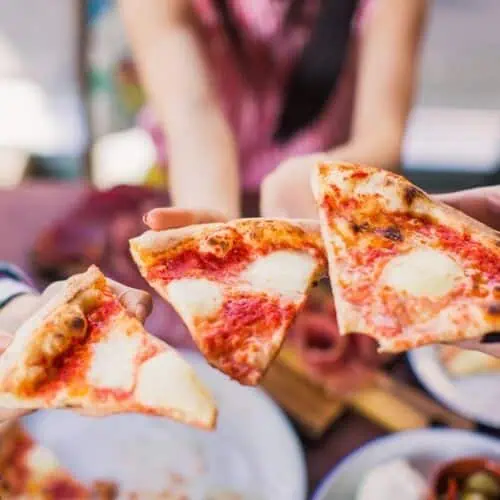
<point x="482" y="204"/>
<point x="159" y="219"/>
<point x="286" y="192"/>
<point x="20" y="309"/>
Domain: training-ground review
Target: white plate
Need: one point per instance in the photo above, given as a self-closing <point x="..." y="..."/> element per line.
<point x="254" y="451"/>
<point x="476" y="397"/>
<point x="423" y="449"/>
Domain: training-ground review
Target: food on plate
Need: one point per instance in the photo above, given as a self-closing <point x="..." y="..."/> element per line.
<point x="463" y="362"/>
<point x="466" y="479"/>
<point x="341" y="363"/>
<point x="395" y="480"/>
<point x="28" y="470"/>
<point x="84" y="350"/>
<point x="405" y="269"/>
<point x="237" y="286"/>
<point x="105" y="490"/>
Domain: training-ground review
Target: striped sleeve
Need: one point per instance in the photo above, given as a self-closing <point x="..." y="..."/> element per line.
<point x="13" y="282"/>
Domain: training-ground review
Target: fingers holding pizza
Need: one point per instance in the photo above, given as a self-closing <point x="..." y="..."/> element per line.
<point x="137" y="302"/>
<point x="482" y="204"/>
<point x="160" y="219"/>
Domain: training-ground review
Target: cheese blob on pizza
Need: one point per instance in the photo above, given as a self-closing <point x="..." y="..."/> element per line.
<point x="84" y="350"/>
<point x="237" y="286"/>
<point x="404" y="268"/>
<point x="28" y="470"/>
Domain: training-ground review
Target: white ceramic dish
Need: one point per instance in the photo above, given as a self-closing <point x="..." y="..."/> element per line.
<point x="423" y="449"/>
<point x="254" y="452"/>
<point x="476" y="397"/>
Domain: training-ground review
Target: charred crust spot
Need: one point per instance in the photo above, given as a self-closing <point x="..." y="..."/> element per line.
<point x="392" y="233"/>
<point x="496" y="291"/>
<point x="411" y="192"/>
<point x="77" y="323"/>
<point x="494" y="309"/>
<point x="360" y="228"/>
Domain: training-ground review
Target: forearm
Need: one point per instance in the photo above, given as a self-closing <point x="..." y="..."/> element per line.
<point x="203" y="170"/>
<point x="202" y="154"/>
<point x="202" y="157"/>
<point x="383" y="151"/>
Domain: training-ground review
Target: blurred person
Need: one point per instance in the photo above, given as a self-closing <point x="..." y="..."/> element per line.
<point x="241" y="88"/>
<point x="19" y="301"/>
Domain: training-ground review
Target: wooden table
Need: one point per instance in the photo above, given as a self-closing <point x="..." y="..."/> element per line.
<point x="28" y="209"/>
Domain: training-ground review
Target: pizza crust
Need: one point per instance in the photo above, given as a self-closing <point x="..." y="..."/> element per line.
<point x="157" y="241"/>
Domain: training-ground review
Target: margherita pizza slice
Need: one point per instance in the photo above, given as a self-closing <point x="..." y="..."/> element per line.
<point x="30" y="471"/>
<point x="404" y="268"/>
<point x="237" y="286"/>
<point x="84" y="350"/>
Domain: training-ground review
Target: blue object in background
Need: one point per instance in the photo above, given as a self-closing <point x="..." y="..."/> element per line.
<point x="97" y="7"/>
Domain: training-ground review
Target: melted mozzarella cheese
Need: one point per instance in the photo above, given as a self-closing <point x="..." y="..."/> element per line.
<point x="284" y="273"/>
<point x="422" y="273"/>
<point x="167" y="381"/>
<point x="113" y="362"/>
<point x="195" y="297"/>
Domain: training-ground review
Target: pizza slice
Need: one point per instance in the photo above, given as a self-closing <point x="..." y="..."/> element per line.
<point x="237" y="286"/>
<point x="84" y="350"/>
<point x="28" y="470"/>
<point x="463" y="362"/>
<point x="405" y="269"/>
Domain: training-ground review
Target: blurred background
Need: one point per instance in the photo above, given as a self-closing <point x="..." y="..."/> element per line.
<point x="69" y="96"/>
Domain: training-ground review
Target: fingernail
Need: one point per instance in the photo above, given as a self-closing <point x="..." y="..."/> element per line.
<point x="491" y="338"/>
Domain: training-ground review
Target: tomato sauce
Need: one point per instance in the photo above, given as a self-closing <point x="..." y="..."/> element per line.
<point x="193" y="263"/>
<point x="99" y="316"/>
<point x="240" y="327"/>
<point x="71" y="366"/>
<point x="472" y="252"/>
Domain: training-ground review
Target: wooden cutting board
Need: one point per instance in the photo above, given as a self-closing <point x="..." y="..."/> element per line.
<point x="391" y="404"/>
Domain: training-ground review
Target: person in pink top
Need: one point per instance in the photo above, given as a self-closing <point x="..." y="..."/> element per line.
<point x="247" y="92"/>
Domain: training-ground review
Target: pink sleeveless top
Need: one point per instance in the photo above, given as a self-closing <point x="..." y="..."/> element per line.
<point x="253" y="111"/>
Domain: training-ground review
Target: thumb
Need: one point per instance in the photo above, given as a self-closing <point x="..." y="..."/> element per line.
<point x="167" y="218"/>
<point x="482" y="204"/>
